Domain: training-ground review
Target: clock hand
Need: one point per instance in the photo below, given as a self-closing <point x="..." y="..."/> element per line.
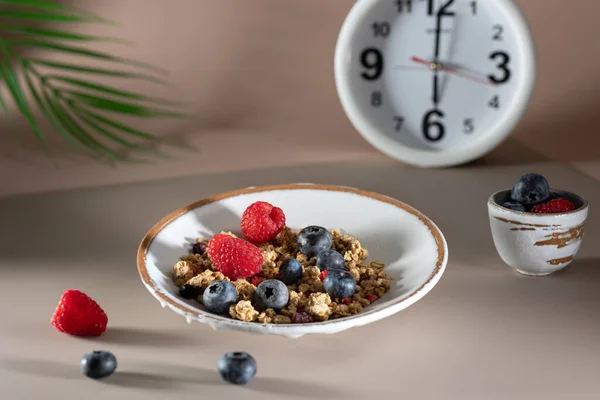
<point x="454" y="69"/>
<point x="438" y="30"/>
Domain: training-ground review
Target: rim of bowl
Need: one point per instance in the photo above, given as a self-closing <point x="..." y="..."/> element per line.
<point x="199" y="314"/>
<point x="584" y="204"/>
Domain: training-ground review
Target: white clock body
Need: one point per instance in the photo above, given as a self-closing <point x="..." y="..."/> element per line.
<point x="435" y="99"/>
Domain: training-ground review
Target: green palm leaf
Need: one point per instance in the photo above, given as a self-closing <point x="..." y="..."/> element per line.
<point x="122" y="107"/>
<point x="83" y="116"/>
<point x="47" y="9"/>
<point x="47" y="110"/>
<point x="84" y="112"/>
<point x="12" y="83"/>
<point x="109" y="90"/>
<point x="96" y="71"/>
<point x="63" y="48"/>
<point x="57" y="34"/>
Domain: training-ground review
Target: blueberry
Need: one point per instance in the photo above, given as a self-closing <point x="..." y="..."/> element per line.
<point x="199" y="248"/>
<point x="530" y="189"/>
<point x="98" y="364"/>
<point x="271" y="293"/>
<point x="330" y="259"/>
<point x="513" y="205"/>
<point x="313" y="240"/>
<point x="290" y="271"/>
<point x="218" y="296"/>
<point x="190" y="292"/>
<point x="237" y="367"/>
<point x="339" y="284"/>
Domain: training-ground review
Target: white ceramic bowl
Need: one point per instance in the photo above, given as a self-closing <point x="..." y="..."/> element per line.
<point x="537" y="244"/>
<point x="412" y="247"/>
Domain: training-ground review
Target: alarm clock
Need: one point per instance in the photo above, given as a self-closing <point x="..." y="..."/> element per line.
<point x="434" y="83"/>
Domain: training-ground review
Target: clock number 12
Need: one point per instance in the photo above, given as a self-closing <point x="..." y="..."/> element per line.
<point x="443" y="10"/>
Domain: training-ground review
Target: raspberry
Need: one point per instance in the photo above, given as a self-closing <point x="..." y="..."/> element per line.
<point x="371" y="297"/>
<point x="235" y="258"/>
<point x="323" y="274"/>
<point x="301" y="318"/>
<point x="262" y="222"/>
<point x="77" y="314"/>
<point x="256" y="280"/>
<point x="346" y="301"/>
<point x="559" y="205"/>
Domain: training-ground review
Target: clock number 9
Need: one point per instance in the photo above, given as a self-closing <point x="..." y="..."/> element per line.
<point x="504" y="60"/>
<point x="372" y="60"/>
<point x="433" y="130"/>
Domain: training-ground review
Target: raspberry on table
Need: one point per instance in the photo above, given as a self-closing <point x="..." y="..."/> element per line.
<point x="79" y="315"/>
<point x="558" y="205"/>
<point x="262" y="222"/>
<point x="233" y="257"/>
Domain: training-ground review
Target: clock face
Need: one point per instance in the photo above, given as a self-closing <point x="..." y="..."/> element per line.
<point x="437" y="75"/>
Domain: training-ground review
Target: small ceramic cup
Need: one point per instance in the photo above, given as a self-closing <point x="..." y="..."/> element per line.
<point x="537" y="244"/>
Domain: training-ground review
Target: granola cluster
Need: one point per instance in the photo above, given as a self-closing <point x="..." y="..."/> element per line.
<point x="307" y="296"/>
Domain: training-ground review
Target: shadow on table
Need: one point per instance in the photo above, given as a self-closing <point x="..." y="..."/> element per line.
<point x="290" y="387"/>
<point x="40" y="368"/>
<point x="584" y="270"/>
<point x="510" y="152"/>
<point x="143" y="337"/>
<point x="154" y="380"/>
<point x="175" y="377"/>
<point x="179" y="375"/>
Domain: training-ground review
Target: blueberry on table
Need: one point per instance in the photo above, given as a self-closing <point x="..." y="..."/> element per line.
<point x="98" y="364"/>
<point x="271" y="293"/>
<point x="219" y="296"/>
<point x="515" y="206"/>
<point x="339" y="284"/>
<point x="330" y="259"/>
<point x="290" y="271"/>
<point x="313" y="240"/>
<point x="237" y="367"/>
<point x="530" y="189"/>
<point x="190" y="292"/>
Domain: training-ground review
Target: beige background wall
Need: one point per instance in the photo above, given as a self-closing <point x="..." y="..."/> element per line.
<point x="258" y="73"/>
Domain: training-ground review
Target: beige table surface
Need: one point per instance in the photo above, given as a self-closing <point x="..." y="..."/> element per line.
<point x="483" y="333"/>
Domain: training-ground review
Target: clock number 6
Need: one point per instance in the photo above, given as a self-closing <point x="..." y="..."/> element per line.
<point x="504" y="60"/>
<point x="433" y="130"/>
<point x="372" y="60"/>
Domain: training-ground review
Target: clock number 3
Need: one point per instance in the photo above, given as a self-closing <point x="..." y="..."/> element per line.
<point x="503" y="66"/>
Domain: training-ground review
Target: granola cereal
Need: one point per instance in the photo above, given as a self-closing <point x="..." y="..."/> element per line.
<point x="307" y="296"/>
